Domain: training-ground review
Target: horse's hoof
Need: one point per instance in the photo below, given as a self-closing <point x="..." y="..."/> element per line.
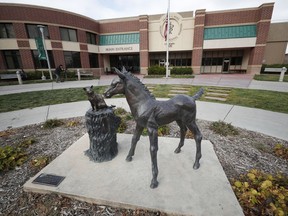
<point x="196" y="166"/>
<point x="154" y="184"/>
<point x="129" y="158"/>
<point x="177" y="150"/>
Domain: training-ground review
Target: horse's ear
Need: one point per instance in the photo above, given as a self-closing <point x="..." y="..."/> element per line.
<point x="124" y="70"/>
<point x="119" y="73"/>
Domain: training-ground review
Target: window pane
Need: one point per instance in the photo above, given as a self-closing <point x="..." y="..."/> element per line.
<point x="91" y="38"/>
<point x="3" y="32"/>
<point x="6" y="30"/>
<point x="12" y="59"/>
<point x="33" y="31"/>
<point x="93" y="59"/>
<point x="42" y="63"/>
<point x="73" y="35"/>
<point x="72" y="59"/>
<point x="64" y="34"/>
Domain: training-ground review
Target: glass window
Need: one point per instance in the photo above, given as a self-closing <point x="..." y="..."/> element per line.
<point x="34" y="32"/>
<point x="131" y="62"/>
<point x="206" y="61"/>
<point x="68" y="34"/>
<point x="91" y="38"/>
<point x="72" y="59"/>
<point x="6" y="30"/>
<point x="236" y="61"/>
<point x="93" y="60"/>
<point x="12" y="59"/>
<point x="42" y="63"/>
<point x="217" y="61"/>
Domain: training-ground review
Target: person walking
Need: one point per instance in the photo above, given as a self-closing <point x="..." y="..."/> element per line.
<point x="57" y="72"/>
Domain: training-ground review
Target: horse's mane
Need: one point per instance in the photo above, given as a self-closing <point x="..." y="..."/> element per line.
<point x="137" y="80"/>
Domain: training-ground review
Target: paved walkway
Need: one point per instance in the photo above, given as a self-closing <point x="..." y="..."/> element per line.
<point x="267" y="122"/>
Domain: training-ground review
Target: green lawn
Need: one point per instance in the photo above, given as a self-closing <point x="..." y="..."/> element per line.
<point x="262" y="99"/>
<point x="270" y="77"/>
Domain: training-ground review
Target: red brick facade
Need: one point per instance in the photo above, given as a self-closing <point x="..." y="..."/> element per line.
<point x="19" y="15"/>
<point x="260" y="16"/>
<point x="200" y="17"/>
<point x="144" y="43"/>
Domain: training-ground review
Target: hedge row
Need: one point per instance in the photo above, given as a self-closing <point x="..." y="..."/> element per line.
<point x="160" y="70"/>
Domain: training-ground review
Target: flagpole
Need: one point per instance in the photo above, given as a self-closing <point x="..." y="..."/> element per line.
<point x="167" y="46"/>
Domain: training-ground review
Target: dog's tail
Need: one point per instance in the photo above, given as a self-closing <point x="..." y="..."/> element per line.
<point x="198" y="94"/>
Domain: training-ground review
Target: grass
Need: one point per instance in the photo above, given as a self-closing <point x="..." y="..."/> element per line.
<point x="262" y="99"/>
<point x="25" y="100"/>
<point x="270" y="77"/>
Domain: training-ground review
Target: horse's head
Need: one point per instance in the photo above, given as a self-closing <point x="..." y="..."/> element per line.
<point x="117" y="85"/>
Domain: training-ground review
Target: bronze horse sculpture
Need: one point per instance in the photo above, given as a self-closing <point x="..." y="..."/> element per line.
<point x="151" y="113"/>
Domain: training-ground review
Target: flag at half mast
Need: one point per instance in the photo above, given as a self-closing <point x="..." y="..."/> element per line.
<point x="166" y="27"/>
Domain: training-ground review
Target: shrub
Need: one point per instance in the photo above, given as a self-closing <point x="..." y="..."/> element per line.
<point x="122" y="126"/>
<point x="40" y="162"/>
<point x="156" y="70"/>
<point x="262" y="194"/>
<point x="182" y="71"/>
<point x="52" y="123"/>
<point x="223" y="128"/>
<point x="162" y="131"/>
<point x="281" y="151"/>
<point x="72" y="123"/>
<point x="10" y="157"/>
<point x="125" y="116"/>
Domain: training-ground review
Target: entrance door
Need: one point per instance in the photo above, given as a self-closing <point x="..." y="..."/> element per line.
<point x="226" y="63"/>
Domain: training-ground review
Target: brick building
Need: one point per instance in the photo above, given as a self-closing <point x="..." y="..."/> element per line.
<point x="209" y="42"/>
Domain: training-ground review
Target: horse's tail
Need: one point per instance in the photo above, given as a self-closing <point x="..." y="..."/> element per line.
<point x="198" y="94"/>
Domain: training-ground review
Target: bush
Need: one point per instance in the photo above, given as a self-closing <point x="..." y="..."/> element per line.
<point x="52" y="123"/>
<point x="10" y="157"/>
<point x="223" y="128"/>
<point x="182" y="71"/>
<point x="262" y="194"/>
<point x="156" y="70"/>
<point x="125" y="116"/>
<point x="162" y="131"/>
<point x="281" y="151"/>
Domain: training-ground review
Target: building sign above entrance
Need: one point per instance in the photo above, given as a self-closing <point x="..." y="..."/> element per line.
<point x="119" y="48"/>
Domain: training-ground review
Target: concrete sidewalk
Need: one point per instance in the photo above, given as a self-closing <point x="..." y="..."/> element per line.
<point x="221" y="80"/>
<point x="267" y="122"/>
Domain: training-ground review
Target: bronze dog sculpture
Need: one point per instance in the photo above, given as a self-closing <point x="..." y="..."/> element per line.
<point x="96" y="100"/>
<point x="150" y="113"/>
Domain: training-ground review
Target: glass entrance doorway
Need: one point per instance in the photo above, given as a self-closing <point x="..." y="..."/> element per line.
<point x="226" y="64"/>
<point x="130" y="62"/>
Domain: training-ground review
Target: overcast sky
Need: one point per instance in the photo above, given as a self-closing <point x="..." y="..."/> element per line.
<point x="105" y="9"/>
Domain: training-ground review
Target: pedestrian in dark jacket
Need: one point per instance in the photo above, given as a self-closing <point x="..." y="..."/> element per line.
<point x="57" y="72"/>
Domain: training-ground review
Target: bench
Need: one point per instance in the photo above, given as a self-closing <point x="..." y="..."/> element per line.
<point x="277" y="70"/>
<point x="8" y="76"/>
<point x="83" y="73"/>
<point x="12" y="76"/>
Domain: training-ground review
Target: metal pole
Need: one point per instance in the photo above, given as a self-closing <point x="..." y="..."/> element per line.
<point x="283" y="71"/>
<point x="41" y="28"/>
<point x="167" y="46"/>
<point x="19" y="77"/>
